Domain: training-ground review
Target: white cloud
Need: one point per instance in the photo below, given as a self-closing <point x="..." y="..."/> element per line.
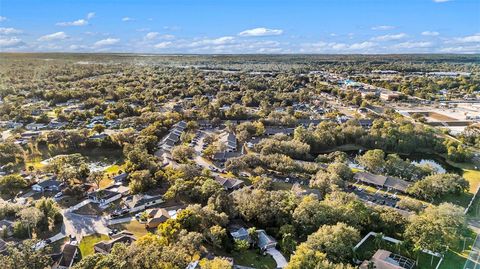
<point x="106" y="42"/>
<point x="261" y="32"/>
<point x="334" y="47"/>
<point x="127" y="19"/>
<point x="10" y="42"/>
<point x="9" y="31"/>
<point x="441" y="1"/>
<point x="3" y="18"/>
<point x="469" y="39"/>
<point x="383" y="27"/>
<point x="90" y="15"/>
<point x="390" y="37"/>
<point x="167" y="36"/>
<point x="217" y="41"/>
<point x="54" y="36"/>
<point x="363" y="45"/>
<point x="80" y="22"/>
<point x="151" y="35"/>
<point x="413" y="45"/>
<point x="462" y="49"/>
<point x="430" y="33"/>
<point x="163" y="45"/>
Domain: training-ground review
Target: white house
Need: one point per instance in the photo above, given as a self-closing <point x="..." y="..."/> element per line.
<point x="104" y="196"/>
<point x="47" y="185"/>
<point x="140" y="202"/>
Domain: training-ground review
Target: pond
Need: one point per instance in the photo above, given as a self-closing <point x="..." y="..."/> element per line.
<point x="435" y="161"/>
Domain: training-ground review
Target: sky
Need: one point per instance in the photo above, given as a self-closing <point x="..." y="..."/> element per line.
<point x="241" y="26"/>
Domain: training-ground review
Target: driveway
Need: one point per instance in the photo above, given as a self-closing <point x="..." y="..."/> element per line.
<point x="278" y="257"/>
<point x="82" y="225"/>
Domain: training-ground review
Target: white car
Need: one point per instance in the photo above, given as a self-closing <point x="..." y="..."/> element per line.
<point x="58" y="195"/>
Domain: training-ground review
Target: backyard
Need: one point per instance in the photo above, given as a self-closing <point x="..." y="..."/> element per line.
<point x="86" y="245"/>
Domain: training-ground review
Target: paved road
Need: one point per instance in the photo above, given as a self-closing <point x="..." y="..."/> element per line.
<point x="278" y="257"/>
<point x="82" y="225"/>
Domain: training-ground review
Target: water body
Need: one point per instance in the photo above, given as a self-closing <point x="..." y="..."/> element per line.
<point x="437" y="162"/>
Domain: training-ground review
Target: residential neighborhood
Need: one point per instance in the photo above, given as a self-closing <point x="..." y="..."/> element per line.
<point x="239" y="134"/>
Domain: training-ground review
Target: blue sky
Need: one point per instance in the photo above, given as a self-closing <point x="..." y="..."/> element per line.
<point x="241" y="26"/>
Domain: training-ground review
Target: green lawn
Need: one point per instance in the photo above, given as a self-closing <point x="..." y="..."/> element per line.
<point x="252" y="258"/>
<point x="86" y="245"/>
<point x="456" y="256"/>
<point x="135" y="227"/>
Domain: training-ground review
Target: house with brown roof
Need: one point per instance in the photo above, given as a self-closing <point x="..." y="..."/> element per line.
<point x="383" y="259"/>
<point x="106" y="246"/>
<point x="382" y="181"/>
<point x="67" y="257"/>
<point x="157" y="216"/>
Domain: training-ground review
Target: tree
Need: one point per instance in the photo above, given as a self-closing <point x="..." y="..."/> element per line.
<point x="336" y="241"/>
<point x="306" y="257"/>
<point x="326" y="182"/>
<point x="373" y="160"/>
<point x="96" y="178"/>
<point x="98" y="128"/>
<point x="309" y="215"/>
<point x="30" y="216"/>
<point x="182" y="153"/>
<point x="438" y="185"/>
<point x="437" y="227"/>
<point x="340" y="169"/>
<point x="51" y="212"/>
<point x="12" y="184"/>
<point x="217" y="236"/>
<point x="216" y="263"/>
<point x="25" y="255"/>
<point x="141" y="181"/>
<point x="241" y="245"/>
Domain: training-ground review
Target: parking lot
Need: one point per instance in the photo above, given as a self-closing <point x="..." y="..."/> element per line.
<point x="379" y="198"/>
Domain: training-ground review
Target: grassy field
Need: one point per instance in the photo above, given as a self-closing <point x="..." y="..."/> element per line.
<point x="457" y="256"/>
<point x="133" y="226"/>
<point x="86" y="245"/>
<point x="253" y="259"/>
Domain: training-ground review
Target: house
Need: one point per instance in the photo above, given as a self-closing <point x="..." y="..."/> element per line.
<point x="383" y="259"/>
<point x="30" y="135"/>
<point x="157" y="216"/>
<point x="229" y="140"/>
<point x="35" y="126"/>
<point x="365" y="123"/>
<point x="240" y="234"/>
<point x="6" y="228"/>
<point x="3" y="246"/>
<point x="308" y="122"/>
<point x="173" y="136"/>
<point x="104" y="196"/>
<point x="120" y="177"/>
<point x="47" y="185"/>
<point x="118" y="187"/>
<point x="140" y="202"/>
<point x="205" y="124"/>
<point x="389" y="96"/>
<point x="265" y="241"/>
<point x="105" y="247"/>
<point x="224" y="155"/>
<point x="230" y="183"/>
<point x="67" y="257"/>
<point x="271" y="130"/>
<point x="98" y="136"/>
<point x="382" y="181"/>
